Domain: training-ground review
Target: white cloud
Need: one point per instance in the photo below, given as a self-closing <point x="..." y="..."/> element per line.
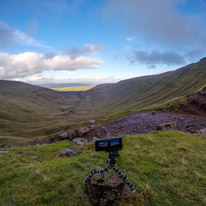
<point x="86" y="49"/>
<point x="131" y="38"/>
<point x="9" y="36"/>
<point x="30" y="63"/>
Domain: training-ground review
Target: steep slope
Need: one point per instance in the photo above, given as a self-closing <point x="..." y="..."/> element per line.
<point x="144" y="91"/>
<point x="27" y="110"/>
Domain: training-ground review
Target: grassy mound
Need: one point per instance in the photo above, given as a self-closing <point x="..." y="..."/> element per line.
<point x="167" y="168"/>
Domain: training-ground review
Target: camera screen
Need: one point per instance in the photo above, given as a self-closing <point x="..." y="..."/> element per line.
<point x="108" y="144"/>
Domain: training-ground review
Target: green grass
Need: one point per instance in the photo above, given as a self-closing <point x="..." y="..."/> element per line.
<point x="172" y="104"/>
<point x="167" y="168"/>
<point x="141" y="92"/>
<point x="77" y="88"/>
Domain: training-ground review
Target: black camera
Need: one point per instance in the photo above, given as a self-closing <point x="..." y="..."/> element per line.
<point x="108" y="145"/>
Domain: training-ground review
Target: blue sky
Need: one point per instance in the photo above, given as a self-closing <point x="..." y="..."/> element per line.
<point x="98" y="41"/>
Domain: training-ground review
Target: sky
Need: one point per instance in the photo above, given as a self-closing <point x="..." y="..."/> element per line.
<point x="98" y="41"/>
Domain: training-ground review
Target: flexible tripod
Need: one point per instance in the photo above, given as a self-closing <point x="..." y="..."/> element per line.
<point x="111" y="165"/>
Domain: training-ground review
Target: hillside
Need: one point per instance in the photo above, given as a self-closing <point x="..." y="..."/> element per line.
<point x="167" y="168"/>
<point x="148" y="90"/>
<point x="28" y="111"/>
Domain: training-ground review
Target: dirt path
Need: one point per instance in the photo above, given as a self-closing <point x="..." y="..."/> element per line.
<point x="145" y="122"/>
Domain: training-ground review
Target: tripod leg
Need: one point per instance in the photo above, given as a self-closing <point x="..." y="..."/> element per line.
<point x="124" y="177"/>
<point x="87" y="179"/>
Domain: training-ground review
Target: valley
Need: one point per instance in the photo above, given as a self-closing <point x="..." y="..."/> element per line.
<point x="28" y="112"/>
<point x="161" y="119"/>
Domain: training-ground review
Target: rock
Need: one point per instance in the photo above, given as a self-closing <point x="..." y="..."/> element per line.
<point x="202" y="132"/>
<point x="107" y="188"/>
<point x="83" y="131"/>
<point x="91" y="127"/>
<point x="167" y="126"/>
<point x="80" y="141"/>
<point x="69" y="151"/>
<point x="58" y="137"/>
<point x="92" y="121"/>
<point x="63" y="135"/>
<point x="4" y="152"/>
<point x="71" y="135"/>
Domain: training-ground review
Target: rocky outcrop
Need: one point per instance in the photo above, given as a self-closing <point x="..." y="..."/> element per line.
<point x="167" y="126"/>
<point x="106" y="189"/>
<point x="84" y="130"/>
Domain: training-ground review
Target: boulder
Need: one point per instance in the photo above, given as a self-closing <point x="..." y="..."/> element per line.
<point x="83" y="131"/>
<point x="92" y="122"/>
<point x="63" y="135"/>
<point x="106" y="189"/>
<point x="59" y="137"/>
<point x="202" y="132"/>
<point x="167" y="126"/>
<point x="80" y="141"/>
<point x="69" y="151"/>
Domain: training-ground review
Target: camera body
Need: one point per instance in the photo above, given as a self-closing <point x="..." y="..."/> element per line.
<point x="109" y="145"/>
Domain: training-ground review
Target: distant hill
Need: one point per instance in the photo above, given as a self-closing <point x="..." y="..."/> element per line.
<point x="58" y="85"/>
<point x="29" y="111"/>
<point x="148" y="90"/>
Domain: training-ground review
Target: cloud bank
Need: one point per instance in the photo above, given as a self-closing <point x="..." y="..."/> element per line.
<point x="168" y="57"/>
<point x="30" y="63"/>
<point x="160" y="25"/>
<point x="9" y="37"/>
<point x="158" y="21"/>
